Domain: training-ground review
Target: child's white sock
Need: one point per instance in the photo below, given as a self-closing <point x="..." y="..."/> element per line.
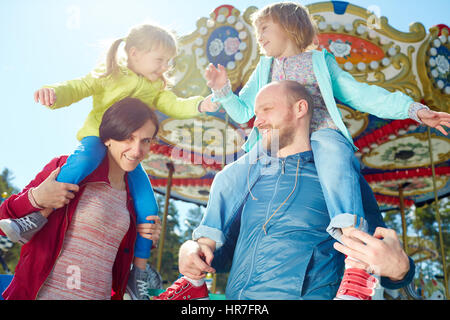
<point x="195" y="283"/>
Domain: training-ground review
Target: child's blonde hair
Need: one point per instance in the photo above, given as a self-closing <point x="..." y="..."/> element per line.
<point x="294" y="19"/>
<point x="144" y="37"/>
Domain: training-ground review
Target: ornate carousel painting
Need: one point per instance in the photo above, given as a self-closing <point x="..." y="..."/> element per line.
<point x="405" y="163"/>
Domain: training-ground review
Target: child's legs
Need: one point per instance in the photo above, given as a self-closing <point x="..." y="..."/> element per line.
<point x="86" y="158"/>
<point x="372" y="211"/>
<point x="145" y="205"/>
<point x="339" y="174"/>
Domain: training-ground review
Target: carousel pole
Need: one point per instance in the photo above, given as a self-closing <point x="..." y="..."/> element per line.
<point x="438" y="216"/>
<point x="402" y="212"/>
<point x="224" y="162"/>
<point x="171" y="168"/>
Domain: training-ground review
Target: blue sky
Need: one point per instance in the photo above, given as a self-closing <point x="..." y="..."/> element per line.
<point x="48" y="41"/>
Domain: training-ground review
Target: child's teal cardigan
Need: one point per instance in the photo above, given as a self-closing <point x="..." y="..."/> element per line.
<point x="333" y="82"/>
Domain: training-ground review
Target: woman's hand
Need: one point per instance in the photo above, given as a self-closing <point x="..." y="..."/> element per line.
<point x="46" y="96"/>
<point x="150" y="231"/>
<point x="53" y="194"/>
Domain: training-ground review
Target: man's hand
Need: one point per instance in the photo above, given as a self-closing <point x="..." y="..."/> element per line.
<point x="53" y="194"/>
<point x="434" y="119"/>
<point x="150" y="231"/>
<point x="195" y="258"/>
<point x="380" y="254"/>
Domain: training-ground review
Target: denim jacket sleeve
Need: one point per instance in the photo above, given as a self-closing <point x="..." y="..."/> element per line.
<point x="364" y="97"/>
<point x="227" y="195"/>
<point x="393" y="285"/>
<point x="219" y="211"/>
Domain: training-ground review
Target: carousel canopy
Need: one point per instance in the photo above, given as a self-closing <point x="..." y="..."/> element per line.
<point x="392" y="153"/>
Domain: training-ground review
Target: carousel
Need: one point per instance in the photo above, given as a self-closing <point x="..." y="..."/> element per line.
<point x="405" y="164"/>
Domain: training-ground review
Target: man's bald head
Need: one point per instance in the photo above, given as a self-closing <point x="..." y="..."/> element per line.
<point x="283" y="116"/>
<point x="292" y="91"/>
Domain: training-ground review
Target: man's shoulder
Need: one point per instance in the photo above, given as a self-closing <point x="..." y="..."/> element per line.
<point x="237" y="169"/>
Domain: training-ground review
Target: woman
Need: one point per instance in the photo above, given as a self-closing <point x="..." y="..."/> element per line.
<point x="86" y="247"/>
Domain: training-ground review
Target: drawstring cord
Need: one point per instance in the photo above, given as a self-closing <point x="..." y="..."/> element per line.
<point x="248" y="180"/>
<point x="295" y="186"/>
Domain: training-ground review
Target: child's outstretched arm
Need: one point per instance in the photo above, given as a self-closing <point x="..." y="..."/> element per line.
<point x="434" y="119"/>
<point x="379" y="101"/>
<point x="216" y="78"/>
<point x="178" y="108"/>
<point x="240" y="108"/>
<point x="65" y="93"/>
<point x="46" y="96"/>
<point x="208" y="105"/>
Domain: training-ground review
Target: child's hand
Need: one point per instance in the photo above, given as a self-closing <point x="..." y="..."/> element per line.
<point x="434" y="119"/>
<point x="216" y="78"/>
<point x="208" y="106"/>
<point x="46" y="96"/>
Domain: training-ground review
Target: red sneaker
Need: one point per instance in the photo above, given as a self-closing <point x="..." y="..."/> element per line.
<point x="182" y="289"/>
<point x="356" y="284"/>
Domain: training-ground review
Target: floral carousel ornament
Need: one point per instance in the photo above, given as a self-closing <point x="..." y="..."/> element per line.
<point x="372" y="53"/>
<point x="225" y="38"/>
<point x="434" y="67"/>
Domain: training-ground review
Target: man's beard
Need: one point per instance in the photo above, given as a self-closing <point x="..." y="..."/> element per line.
<point x="278" y="138"/>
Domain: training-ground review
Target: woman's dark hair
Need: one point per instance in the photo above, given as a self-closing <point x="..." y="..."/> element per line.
<point x="125" y="117"/>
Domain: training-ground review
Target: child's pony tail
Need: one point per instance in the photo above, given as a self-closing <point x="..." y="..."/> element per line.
<point x="111" y="59"/>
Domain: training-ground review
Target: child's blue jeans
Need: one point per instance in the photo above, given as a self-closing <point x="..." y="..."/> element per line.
<point x="86" y="158"/>
<point x="339" y="175"/>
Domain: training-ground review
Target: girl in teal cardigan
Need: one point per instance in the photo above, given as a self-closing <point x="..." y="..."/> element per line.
<point x="285" y="33"/>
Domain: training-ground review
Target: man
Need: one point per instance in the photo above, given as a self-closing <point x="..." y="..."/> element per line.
<point x="273" y="228"/>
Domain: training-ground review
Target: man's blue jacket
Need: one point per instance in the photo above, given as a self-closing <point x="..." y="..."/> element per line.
<point x="296" y="258"/>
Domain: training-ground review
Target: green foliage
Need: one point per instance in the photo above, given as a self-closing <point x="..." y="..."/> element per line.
<point x="169" y="262"/>
<point x="426" y="223"/>
<point x="5" y="183"/>
<point x="11" y="257"/>
<point x="423" y="227"/>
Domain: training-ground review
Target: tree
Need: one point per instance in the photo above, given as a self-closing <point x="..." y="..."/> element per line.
<point x="423" y="231"/>
<point x="11" y="257"/>
<point x="169" y="262"/>
<point x="5" y="183"/>
<point x="425" y="222"/>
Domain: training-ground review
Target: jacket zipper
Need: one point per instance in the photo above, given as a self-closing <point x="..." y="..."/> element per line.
<point x="260" y="235"/>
